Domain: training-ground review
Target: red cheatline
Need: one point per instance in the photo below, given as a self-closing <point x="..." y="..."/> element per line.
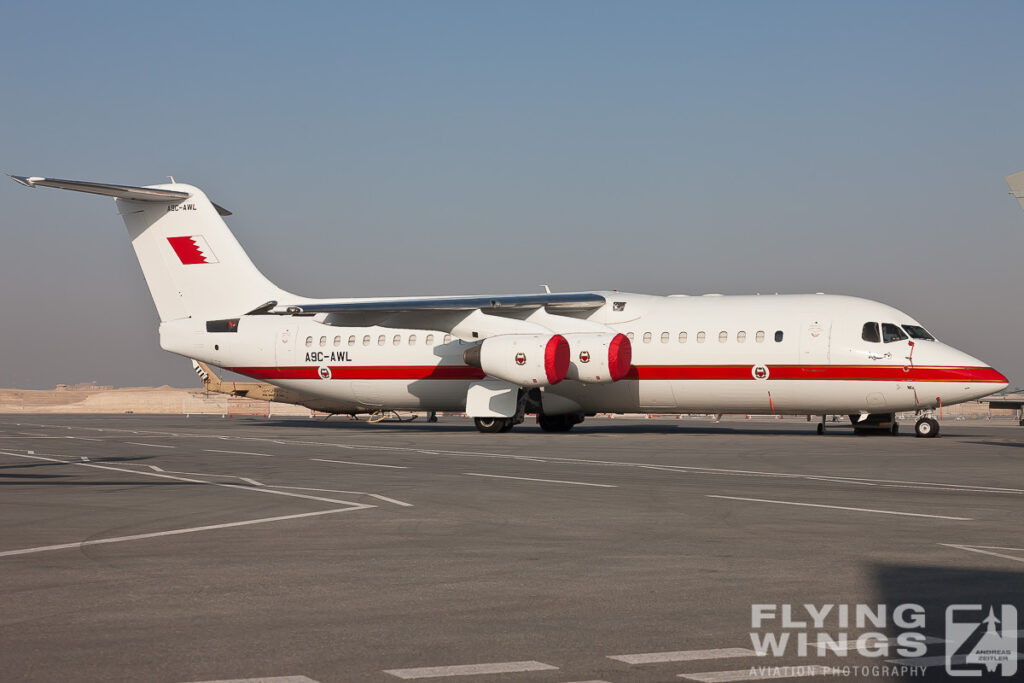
<point x="836" y="373"/>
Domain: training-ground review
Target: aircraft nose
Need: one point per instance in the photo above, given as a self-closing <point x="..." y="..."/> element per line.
<point x="998" y="378"/>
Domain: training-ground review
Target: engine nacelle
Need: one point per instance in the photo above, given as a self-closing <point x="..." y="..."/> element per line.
<point x="599" y="357"/>
<point x="529" y="360"/>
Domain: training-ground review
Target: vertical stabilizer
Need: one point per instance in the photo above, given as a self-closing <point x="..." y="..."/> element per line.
<point x="193" y="265"/>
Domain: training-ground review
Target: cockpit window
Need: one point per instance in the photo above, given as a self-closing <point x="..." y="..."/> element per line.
<point x="891" y="333"/>
<point x="870" y="333"/>
<point x="918" y="332"/>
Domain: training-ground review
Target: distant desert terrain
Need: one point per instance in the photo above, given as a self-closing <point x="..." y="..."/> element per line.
<point x="141" y="400"/>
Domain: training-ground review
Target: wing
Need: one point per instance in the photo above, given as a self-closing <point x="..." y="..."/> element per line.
<point x="469" y="317"/>
<point x="574" y="301"/>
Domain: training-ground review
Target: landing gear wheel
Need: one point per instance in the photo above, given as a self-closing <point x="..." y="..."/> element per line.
<point x="556" y="423"/>
<point x="492" y="425"/>
<point x="895" y="428"/>
<point x="821" y="428"/>
<point x="926" y="428"/>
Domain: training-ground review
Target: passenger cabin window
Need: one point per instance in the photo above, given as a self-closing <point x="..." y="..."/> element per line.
<point x="664" y="337"/>
<point x="412" y="339"/>
<point x="647" y="337"/>
<point x="323" y="341"/>
<point x="337" y="341"/>
<point x="892" y="333"/>
<point x="381" y="339"/>
<point x="397" y="340"/>
<point x="741" y="337"/>
<point x="759" y="337"/>
<point x="870" y="333"/>
<point x="429" y="340"/>
<point x="366" y="340"/>
<point x="700" y="337"/>
<point x="918" y="332"/>
<point x="447" y="339"/>
<point x="723" y="337"/>
<point x="682" y="337"/>
<point x="352" y="340"/>
<point x="309" y="342"/>
<point x="778" y="335"/>
<point x="630" y="336"/>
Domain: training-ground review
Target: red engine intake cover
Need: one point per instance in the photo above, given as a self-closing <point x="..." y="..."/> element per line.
<point x="556" y="358"/>
<point x="620" y="357"/>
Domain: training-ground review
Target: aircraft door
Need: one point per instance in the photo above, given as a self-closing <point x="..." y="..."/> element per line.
<point x="285" y="345"/>
<point x="815" y="338"/>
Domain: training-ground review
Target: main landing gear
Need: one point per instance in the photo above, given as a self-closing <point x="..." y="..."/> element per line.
<point x="558" y="423"/>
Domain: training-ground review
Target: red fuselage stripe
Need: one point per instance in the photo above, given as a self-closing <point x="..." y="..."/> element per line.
<point x="835" y="373"/>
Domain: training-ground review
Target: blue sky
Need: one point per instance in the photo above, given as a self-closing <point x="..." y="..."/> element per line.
<point x="433" y="148"/>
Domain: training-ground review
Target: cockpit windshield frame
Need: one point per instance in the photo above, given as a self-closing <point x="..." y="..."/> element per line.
<point x="918" y="332"/>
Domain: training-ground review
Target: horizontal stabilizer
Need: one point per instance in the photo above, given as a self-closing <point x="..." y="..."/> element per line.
<point x="566" y="301"/>
<point x="138" y="194"/>
<point x="141" y="194"/>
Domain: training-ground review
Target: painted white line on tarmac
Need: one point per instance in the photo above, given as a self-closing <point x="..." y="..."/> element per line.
<point x="761" y="673"/>
<point x="684" y="655"/>
<point x="176" y="532"/>
<point x="149" y="445"/>
<point x="840" y="507"/>
<point x="574" y="461"/>
<point x="358" y="493"/>
<point x="273" y="679"/>
<point x="365" y="464"/>
<point x="265" y="455"/>
<point x="843" y="647"/>
<point x="546" y="481"/>
<point x="925" y="662"/>
<point x="470" y="670"/>
<point x="239" y="487"/>
<point x="987" y="550"/>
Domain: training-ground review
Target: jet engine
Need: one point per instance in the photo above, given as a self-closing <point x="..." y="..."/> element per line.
<point x="598" y="358"/>
<point x="524" y="359"/>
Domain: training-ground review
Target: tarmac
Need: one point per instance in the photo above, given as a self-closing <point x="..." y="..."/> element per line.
<point x="184" y="549"/>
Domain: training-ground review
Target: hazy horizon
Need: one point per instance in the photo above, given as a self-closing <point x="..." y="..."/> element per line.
<point x="457" y="148"/>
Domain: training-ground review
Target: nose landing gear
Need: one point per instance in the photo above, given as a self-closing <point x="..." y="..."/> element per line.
<point x="927" y="427"/>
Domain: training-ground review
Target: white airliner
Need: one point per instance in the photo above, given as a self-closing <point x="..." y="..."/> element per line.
<point x="562" y="356"/>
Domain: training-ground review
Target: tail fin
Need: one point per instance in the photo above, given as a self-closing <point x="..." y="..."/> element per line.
<point x="1016" y="183"/>
<point x="205" y="374"/>
<point x="193" y="265"/>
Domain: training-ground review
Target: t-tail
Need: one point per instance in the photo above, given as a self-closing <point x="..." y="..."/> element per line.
<point x="193" y="265"/>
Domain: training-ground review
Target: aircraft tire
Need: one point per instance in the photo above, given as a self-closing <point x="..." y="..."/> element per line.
<point x="492" y="425"/>
<point x="926" y="428"/>
<point x="556" y="423"/>
<point x="895" y="428"/>
<point x="821" y="428"/>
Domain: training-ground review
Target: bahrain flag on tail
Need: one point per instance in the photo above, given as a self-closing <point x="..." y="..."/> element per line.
<point x="192" y="250"/>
